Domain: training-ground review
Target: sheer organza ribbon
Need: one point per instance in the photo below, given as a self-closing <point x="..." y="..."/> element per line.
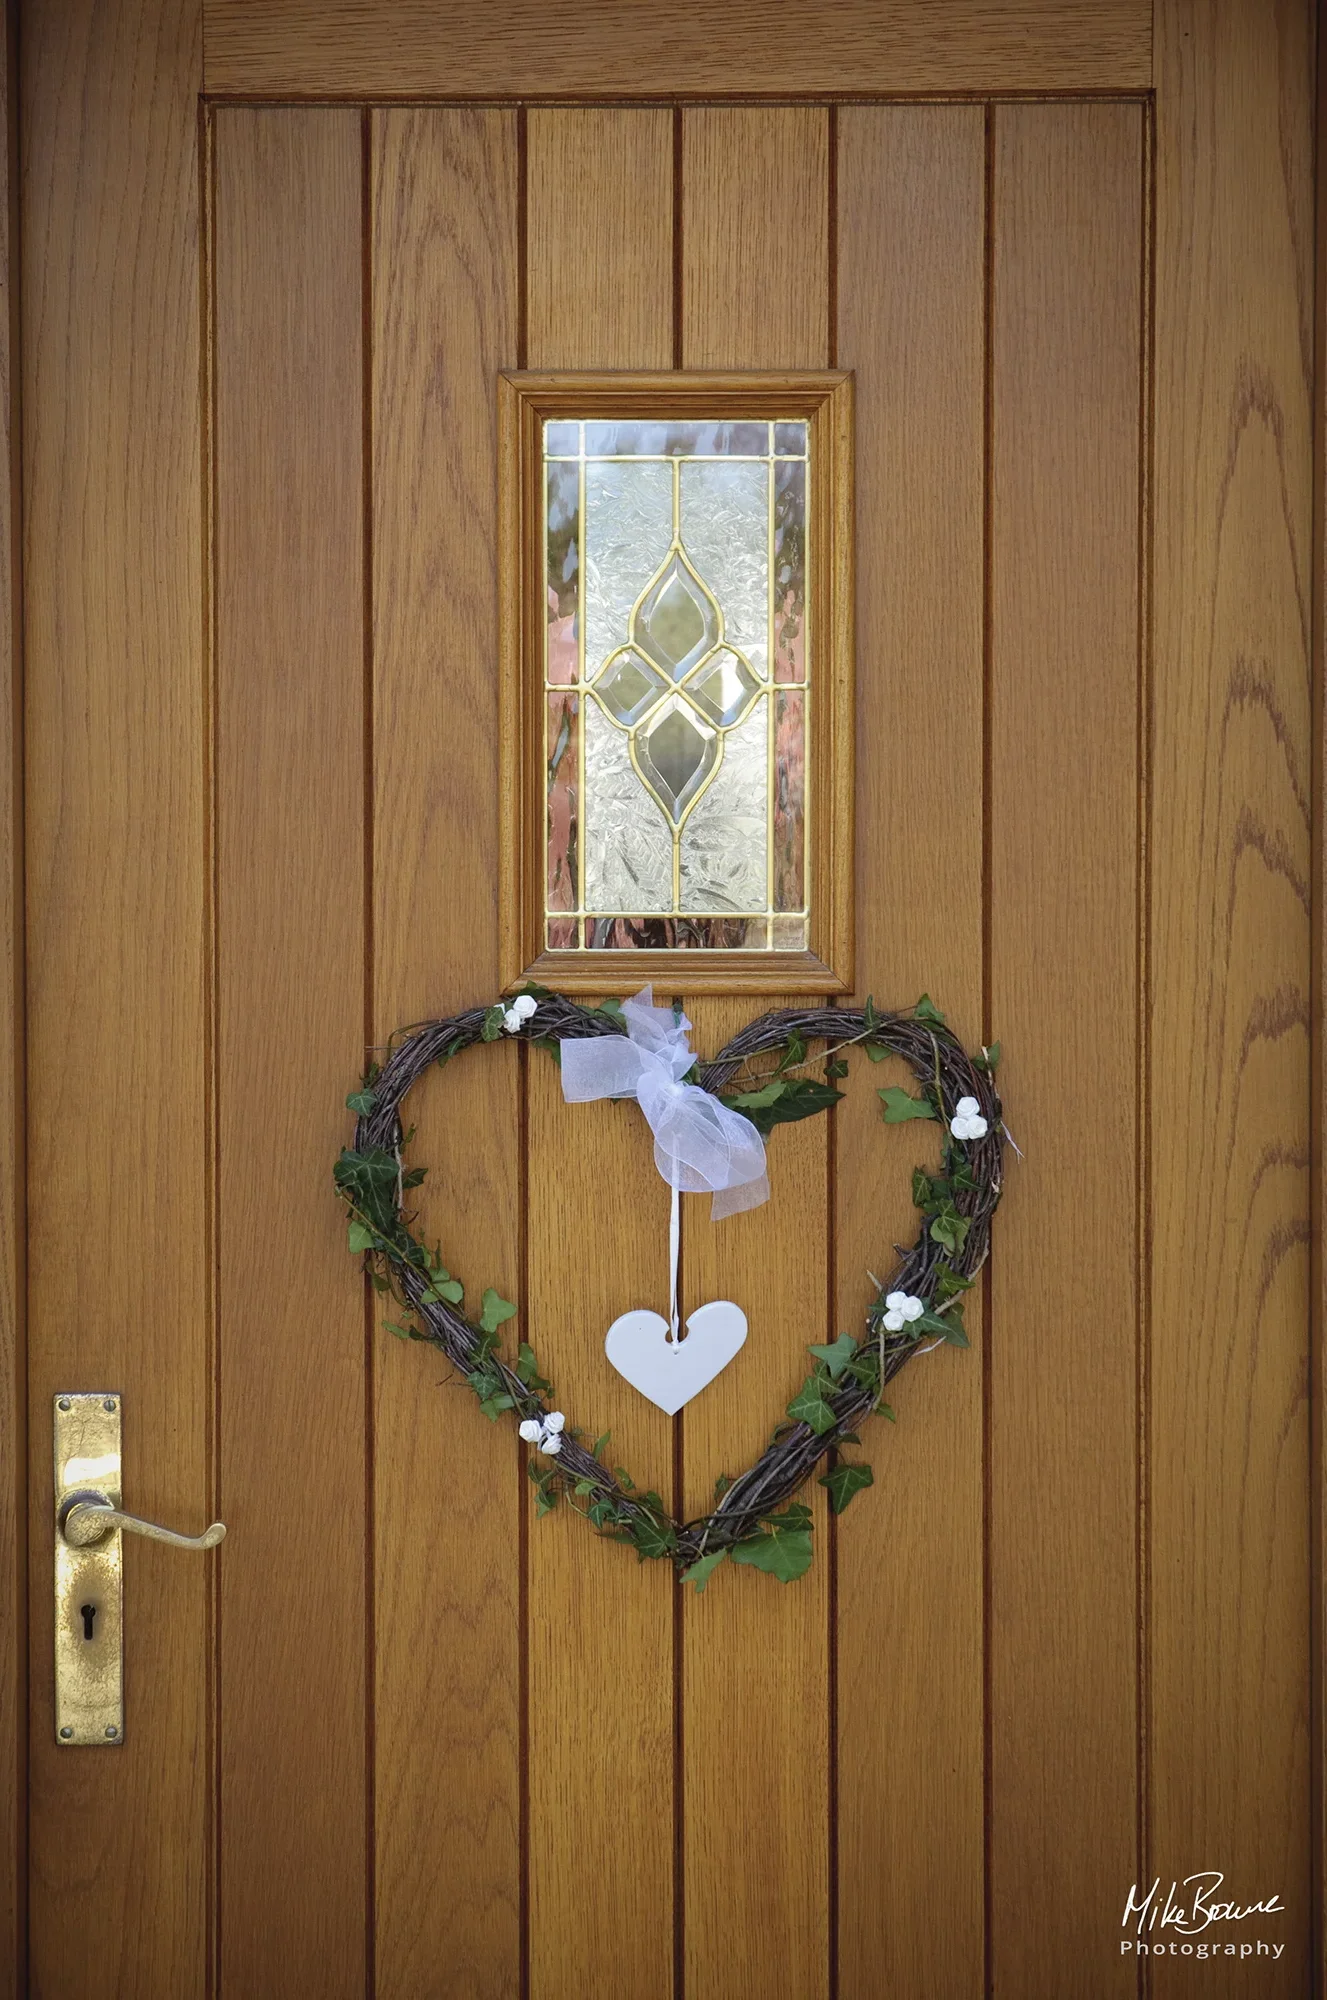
<point x="699" y="1144"/>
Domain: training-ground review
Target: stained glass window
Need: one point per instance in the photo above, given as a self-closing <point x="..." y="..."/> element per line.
<point x="677" y="676"/>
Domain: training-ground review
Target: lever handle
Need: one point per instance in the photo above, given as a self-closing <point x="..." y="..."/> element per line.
<point x="87" y="1518"/>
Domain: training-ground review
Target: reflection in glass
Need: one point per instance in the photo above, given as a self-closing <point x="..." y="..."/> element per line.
<point x="563" y="751"/>
<point x="790" y="571"/>
<point x="676" y="578"/>
<point x="563" y="572"/>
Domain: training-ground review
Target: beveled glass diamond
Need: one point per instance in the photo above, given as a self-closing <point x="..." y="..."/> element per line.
<point x="678" y="620"/>
<point x="725" y="689"/>
<point x="627" y="686"/>
<point x="675" y="754"/>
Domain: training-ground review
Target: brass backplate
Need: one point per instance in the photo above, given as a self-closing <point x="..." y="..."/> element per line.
<point x="89" y="1660"/>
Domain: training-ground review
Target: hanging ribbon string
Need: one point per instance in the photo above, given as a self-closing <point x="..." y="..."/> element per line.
<point x="699" y="1144"/>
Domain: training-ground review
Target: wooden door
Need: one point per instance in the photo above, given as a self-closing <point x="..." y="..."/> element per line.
<point x="399" y="1736"/>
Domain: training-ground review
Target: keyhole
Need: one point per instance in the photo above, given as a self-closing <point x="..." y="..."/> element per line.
<point x="88" y="1612"/>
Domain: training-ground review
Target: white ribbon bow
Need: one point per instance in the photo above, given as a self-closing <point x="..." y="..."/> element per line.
<point x="699" y="1144"/>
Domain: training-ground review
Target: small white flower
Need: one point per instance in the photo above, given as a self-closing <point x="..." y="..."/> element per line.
<point x="519" y="1012"/>
<point x="967" y="1121"/>
<point x="900" y="1307"/>
<point x="545" y="1433"/>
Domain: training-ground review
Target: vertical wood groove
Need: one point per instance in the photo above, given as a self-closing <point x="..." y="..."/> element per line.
<point x="369" y="798"/>
<point x="1143" y="1029"/>
<point x="987" y="1031"/>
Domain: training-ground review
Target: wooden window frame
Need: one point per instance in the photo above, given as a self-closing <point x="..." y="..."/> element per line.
<point x="526" y="400"/>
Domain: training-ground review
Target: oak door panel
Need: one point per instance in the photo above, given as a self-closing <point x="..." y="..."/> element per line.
<point x="911" y="234"/>
<point x="446" y="1632"/>
<point x="290" y="936"/>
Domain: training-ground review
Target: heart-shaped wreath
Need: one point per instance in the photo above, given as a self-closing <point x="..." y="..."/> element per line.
<point x="755" y="1518"/>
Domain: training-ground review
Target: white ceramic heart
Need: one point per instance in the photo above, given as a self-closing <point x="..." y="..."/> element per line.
<point x="670" y="1373"/>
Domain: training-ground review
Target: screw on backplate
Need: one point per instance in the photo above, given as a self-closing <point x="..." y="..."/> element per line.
<point x="111" y="1730"/>
<point x="64" y="1402"/>
<point x="66" y="1732"/>
<point x="109" y="1403"/>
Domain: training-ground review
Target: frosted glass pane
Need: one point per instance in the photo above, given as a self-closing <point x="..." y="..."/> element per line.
<point x="790" y="801"/>
<point x="563" y="577"/>
<point x="628" y="528"/>
<point x="725" y="531"/>
<point x="562" y="745"/>
<point x="723" y="841"/>
<point x="628" y="842"/>
<point x="790" y="650"/>
<point x="663" y="440"/>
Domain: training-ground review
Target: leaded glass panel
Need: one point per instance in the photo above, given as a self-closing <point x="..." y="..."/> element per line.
<point x="677" y="671"/>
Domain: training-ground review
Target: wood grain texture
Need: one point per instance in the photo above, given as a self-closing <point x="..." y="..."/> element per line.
<point x="13" y="1229"/>
<point x="1230" y="961"/>
<point x="609" y="48"/>
<point x="755" y="1673"/>
<point x="115" y="903"/>
<point x="290" y="1013"/>
<point x="911" y="323"/>
<point x="1066" y="342"/>
<point x="443" y="203"/>
<point x="600" y="1628"/>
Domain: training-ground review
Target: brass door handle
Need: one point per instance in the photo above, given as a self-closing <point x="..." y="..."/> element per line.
<point x="86" y="1518"/>
<point x="89" y="1566"/>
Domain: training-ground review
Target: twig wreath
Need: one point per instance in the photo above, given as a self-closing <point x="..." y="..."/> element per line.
<point x="755" y="1518"/>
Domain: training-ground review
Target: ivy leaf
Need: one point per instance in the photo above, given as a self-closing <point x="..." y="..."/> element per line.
<point x="624" y="1479"/>
<point x="368" y="1182"/>
<point x="837" y="1357"/>
<point x="949" y="1326"/>
<point x="836" y="1067"/>
<point x="756" y="1100"/>
<point x="549" y="1042"/>
<point x="360" y="1237"/>
<point x="989" y="1059"/>
<point x="495" y="1310"/>
<point x="493" y="1406"/>
<point x="808" y="1406"/>
<point x="652" y="1538"/>
<point x="951" y="1229"/>
<point x="613" y="1008"/>
<point x="844" y="1481"/>
<point x="401" y="1332"/>
<point x="527" y="1367"/>
<point x="703" y="1569"/>
<point x="361" y="1102"/>
<point x="444" y="1287"/>
<point x="877" y="1052"/>
<point x="785" y="1554"/>
<point x="414" y="1176"/>
<point x="926" y="1010"/>
<point x="599" y="1443"/>
<point x="801" y="1097"/>
<point x="493" y="1020"/>
<point x="900" y="1106"/>
<point x="602" y="1512"/>
<point x="795" y="1052"/>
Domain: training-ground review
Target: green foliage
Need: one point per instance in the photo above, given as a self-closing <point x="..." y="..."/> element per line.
<point x="703" y="1569"/>
<point x="783" y="1546"/>
<point x="782" y="1102"/>
<point x="527" y="1368"/>
<point x="652" y="1533"/>
<point x="989" y="1059"/>
<point x="836" y="1357"/>
<point x="493" y="1020"/>
<point x="495" y="1310"/>
<point x="367" y="1181"/>
<point x="360" y="1237"/>
<point x="361" y="1102"/>
<point x="900" y="1106"/>
<point x="808" y="1406"/>
<point x="843" y="1481"/>
<point x="613" y="1008"/>
<point x="927" y="1011"/>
